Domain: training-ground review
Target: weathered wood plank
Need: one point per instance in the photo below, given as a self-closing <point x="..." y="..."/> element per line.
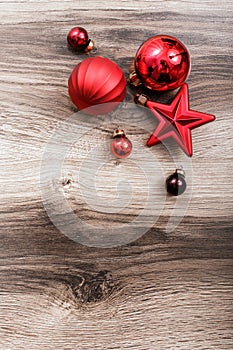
<point x="166" y="290"/>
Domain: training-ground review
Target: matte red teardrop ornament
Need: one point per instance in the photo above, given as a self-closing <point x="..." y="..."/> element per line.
<point x="95" y="83"/>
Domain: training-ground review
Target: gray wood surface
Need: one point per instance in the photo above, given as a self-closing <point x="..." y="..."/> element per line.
<point x="166" y="290"/>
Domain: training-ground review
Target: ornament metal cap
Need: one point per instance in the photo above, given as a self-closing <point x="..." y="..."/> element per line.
<point x="180" y="171"/>
<point x="140" y="99"/>
<point x="134" y="79"/>
<point x="118" y="132"/>
<point x="90" y="46"/>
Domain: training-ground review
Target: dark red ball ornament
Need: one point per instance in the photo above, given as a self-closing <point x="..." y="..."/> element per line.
<point x="176" y="183"/>
<point x="121" y="146"/>
<point x="161" y="63"/>
<point x="78" y="39"/>
<point x="97" y="85"/>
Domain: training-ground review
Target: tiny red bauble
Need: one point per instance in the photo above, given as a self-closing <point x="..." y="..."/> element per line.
<point x="161" y="63"/>
<point x="78" y="39"/>
<point x="176" y="183"/>
<point x="97" y="85"/>
<point x="121" y="146"/>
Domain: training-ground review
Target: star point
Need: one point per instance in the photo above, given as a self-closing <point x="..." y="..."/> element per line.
<point x="176" y="121"/>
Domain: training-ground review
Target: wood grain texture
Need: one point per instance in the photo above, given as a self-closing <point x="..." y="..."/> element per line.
<point x="164" y="290"/>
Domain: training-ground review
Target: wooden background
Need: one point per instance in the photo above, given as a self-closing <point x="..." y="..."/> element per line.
<point x="163" y="291"/>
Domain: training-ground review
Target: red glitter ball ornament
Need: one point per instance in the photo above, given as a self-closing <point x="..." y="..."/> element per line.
<point x="78" y="39"/>
<point x="161" y="63"/>
<point x="97" y="85"/>
<point x="121" y="146"/>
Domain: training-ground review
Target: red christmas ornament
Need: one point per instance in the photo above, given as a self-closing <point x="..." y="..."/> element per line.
<point x="121" y="146"/>
<point x="161" y="63"/>
<point x="94" y="83"/>
<point x="176" y="183"/>
<point x="78" y="39"/>
<point x="175" y="120"/>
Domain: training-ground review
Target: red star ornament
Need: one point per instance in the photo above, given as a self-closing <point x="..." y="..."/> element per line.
<point x="176" y="121"/>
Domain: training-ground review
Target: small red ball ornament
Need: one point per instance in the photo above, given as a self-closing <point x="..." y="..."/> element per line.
<point x="161" y="63"/>
<point x="78" y="39"/>
<point x="121" y="146"/>
<point x="97" y="85"/>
